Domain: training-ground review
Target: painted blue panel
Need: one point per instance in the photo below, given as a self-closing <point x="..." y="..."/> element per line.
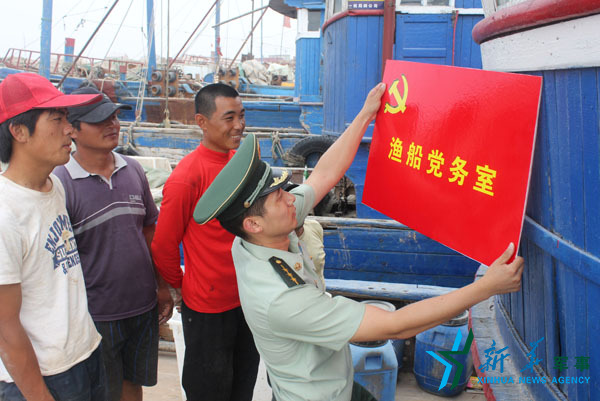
<point x="393" y="255"/>
<point x="590" y="95"/>
<point x="352" y="56"/>
<point x="539" y="198"/>
<point x="566" y="161"/>
<point x="467" y="53"/>
<point x="593" y="328"/>
<point x="423" y="38"/>
<point x="334" y="88"/>
<point x="363" y="69"/>
<point x="561" y="240"/>
<point x="311" y="118"/>
<point x="308" y="62"/>
<point x="467" y="3"/>
<point x="550" y="308"/>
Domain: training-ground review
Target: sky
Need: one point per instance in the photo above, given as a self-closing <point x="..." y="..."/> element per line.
<point x="124" y="33"/>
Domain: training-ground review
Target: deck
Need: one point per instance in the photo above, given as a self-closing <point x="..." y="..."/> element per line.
<point x="168" y="388"/>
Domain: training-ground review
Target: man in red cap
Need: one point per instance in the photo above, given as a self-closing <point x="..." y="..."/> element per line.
<point x="49" y="346"/>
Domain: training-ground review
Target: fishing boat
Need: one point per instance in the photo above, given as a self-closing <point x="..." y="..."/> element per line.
<point x="550" y="324"/>
<point x="341" y="48"/>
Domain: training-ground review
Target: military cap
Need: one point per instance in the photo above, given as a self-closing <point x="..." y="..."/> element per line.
<point x="244" y="179"/>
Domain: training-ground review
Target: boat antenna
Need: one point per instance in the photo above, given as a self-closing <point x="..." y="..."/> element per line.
<point x="166" y="121"/>
<point x="193" y="33"/>
<point x="247" y="37"/>
<point x="86" y="44"/>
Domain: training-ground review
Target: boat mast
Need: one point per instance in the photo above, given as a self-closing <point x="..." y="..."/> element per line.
<point x="217" y="40"/>
<point x="251" y="34"/>
<point x="46" y="39"/>
<point x="151" y="49"/>
<point x="261" y="36"/>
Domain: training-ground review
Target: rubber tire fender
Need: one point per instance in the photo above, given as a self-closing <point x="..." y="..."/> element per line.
<point x="311" y="147"/>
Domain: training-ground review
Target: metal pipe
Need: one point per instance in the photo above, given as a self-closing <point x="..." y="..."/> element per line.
<point x="87" y="43"/>
<point x="46" y="39"/>
<point x="389" y="29"/>
<point x="217" y="39"/>
<point x="151" y="44"/>
<point x="193" y="33"/>
<point x="166" y="121"/>
<point x="252" y="24"/>
<point x="261" y="37"/>
<point x="239" y="16"/>
<point x="247" y="37"/>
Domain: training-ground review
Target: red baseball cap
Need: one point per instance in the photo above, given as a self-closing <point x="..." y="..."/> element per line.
<point x="25" y="91"/>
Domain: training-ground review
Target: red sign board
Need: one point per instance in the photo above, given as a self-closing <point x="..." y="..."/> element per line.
<point x="451" y="154"/>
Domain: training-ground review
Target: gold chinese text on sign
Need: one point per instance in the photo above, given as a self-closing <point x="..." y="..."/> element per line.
<point x="485" y="177"/>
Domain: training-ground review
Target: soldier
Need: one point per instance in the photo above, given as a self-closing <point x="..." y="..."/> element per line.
<point x="301" y="333"/>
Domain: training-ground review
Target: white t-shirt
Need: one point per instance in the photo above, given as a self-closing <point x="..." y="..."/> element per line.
<point x="38" y="250"/>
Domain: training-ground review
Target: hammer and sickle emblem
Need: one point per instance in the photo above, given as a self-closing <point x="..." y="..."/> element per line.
<point x="400" y="100"/>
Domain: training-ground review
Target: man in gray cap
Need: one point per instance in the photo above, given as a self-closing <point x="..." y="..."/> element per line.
<point x="113" y="216"/>
<point x="301" y="333"/>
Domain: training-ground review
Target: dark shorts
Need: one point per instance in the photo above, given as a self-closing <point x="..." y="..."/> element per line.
<point x="221" y="360"/>
<point x="130" y="351"/>
<point x="85" y="381"/>
<point x="359" y="393"/>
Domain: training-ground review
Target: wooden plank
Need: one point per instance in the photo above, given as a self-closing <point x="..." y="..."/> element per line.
<point x="373" y="239"/>
<point x="397" y="277"/>
<point x="539" y="197"/>
<point x="583" y="263"/>
<point x="550" y="307"/>
<point x="377" y="290"/>
<point x="389" y="261"/>
<point x="575" y="231"/>
<point x="590" y="92"/>
<point x="593" y="328"/>
<point x="576" y="339"/>
<point x="527" y="286"/>
<point x="564" y="330"/>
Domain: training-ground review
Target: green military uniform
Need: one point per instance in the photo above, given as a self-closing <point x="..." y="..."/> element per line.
<point x="300" y="332"/>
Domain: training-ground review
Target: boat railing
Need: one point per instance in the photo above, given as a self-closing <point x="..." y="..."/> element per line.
<point x="30" y="60"/>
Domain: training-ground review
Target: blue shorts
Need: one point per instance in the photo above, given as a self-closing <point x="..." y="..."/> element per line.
<point x="85" y="381"/>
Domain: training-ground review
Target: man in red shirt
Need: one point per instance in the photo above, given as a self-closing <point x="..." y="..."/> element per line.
<point x="221" y="360"/>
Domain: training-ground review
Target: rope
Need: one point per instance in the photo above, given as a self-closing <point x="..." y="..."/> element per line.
<point x="118" y="30"/>
<point x="139" y="104"/>
<point x="276" y="148"/>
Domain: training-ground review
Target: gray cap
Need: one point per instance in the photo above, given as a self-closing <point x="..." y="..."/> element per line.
<point x="93" y="113"/>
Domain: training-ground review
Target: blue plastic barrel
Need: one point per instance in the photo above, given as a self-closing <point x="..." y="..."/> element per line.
<point x="428" y="371"/>
<point x="399" y="351"/>
<point x="375" y="363"/>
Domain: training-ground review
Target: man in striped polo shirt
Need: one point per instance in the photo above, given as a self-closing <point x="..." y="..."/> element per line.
<point x="113" y="216"/>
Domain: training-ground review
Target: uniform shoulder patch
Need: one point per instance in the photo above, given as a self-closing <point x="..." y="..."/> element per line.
<point x="289" y="276"/>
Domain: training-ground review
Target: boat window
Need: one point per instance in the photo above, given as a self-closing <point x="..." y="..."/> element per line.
<point x="337" y="6"/>
<point x="507" y="3"/>
<point x="314" y="20"/>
